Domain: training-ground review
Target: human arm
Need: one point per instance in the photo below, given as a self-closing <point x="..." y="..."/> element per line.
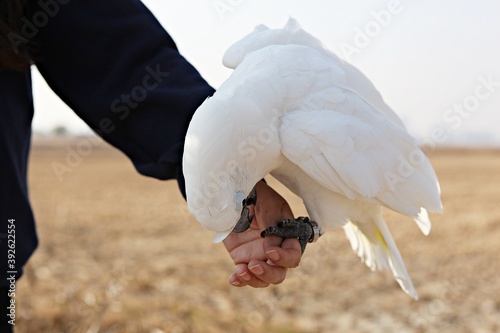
<point x="119" y="70"/>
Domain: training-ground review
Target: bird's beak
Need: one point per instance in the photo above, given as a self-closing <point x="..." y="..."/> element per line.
<point x="245" y="218"/>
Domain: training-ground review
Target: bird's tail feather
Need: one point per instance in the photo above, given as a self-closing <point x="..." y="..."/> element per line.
<point x="373" y="243"/>
<point x="423" y="221"/>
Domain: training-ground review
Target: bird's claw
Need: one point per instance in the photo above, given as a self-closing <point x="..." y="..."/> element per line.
<point x="245" y="218"/>
<point x="305" y="230"/>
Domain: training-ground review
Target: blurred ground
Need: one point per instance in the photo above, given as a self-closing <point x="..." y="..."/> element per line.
<point x="119" y="253"/>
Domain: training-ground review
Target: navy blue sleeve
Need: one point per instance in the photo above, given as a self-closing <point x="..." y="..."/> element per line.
<point x="18" y="237"/>
<point x="118" y="69"/>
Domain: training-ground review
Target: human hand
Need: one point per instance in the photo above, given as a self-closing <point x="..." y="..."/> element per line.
<point x="262" y="261"/>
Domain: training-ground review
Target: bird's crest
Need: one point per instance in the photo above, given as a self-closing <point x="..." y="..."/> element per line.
<point x="262" y="36"/>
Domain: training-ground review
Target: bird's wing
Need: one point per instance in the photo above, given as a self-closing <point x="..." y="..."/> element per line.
<point x="359" y="84"/>
<point x="353" y="149"/>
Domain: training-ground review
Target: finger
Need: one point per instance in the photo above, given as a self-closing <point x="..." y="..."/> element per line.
<point x="272" y="241"/>
<point x="251" y="210"/>
<point x="257" y="274"/>
<point x="244" y="277"/>
<point x="287" y="255"/>
<point x="241" y="276"/>
<point x="235" y="281"/>
<point x="254" y="282"/>
<point x="266" y="273"/>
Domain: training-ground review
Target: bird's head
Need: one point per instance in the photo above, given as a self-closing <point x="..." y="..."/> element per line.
<point x="262" y="36"/>
<point x="217" y="202"/>
<point x="220" y="164"/>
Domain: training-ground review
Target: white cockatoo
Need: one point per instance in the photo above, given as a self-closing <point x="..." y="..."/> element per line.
<point x="294" y="110"/>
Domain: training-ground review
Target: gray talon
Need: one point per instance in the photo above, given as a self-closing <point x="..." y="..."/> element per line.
<point x="305" y="230"/>
<point x="245" y="218"/>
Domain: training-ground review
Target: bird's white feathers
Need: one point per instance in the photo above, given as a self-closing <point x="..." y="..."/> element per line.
<point x="262" y="36"/>
<point x="294" y="109"/>
<point x="372" y="241"/>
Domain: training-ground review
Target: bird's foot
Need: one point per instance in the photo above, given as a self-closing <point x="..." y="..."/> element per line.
<point x="305" y="230"/>
<point x="245" y="218"/>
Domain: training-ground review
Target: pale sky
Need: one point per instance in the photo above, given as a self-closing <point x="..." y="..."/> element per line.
<point x="436" y="63"/>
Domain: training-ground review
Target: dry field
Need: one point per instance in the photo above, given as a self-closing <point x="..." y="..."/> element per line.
<point x="119" y="252"/>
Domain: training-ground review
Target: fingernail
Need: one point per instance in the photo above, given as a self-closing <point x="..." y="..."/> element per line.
<point x="243" y="273"/>
<point x="257" y="269"/>
<point x="234" y="281"/>
<point x="273" y="255"/>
